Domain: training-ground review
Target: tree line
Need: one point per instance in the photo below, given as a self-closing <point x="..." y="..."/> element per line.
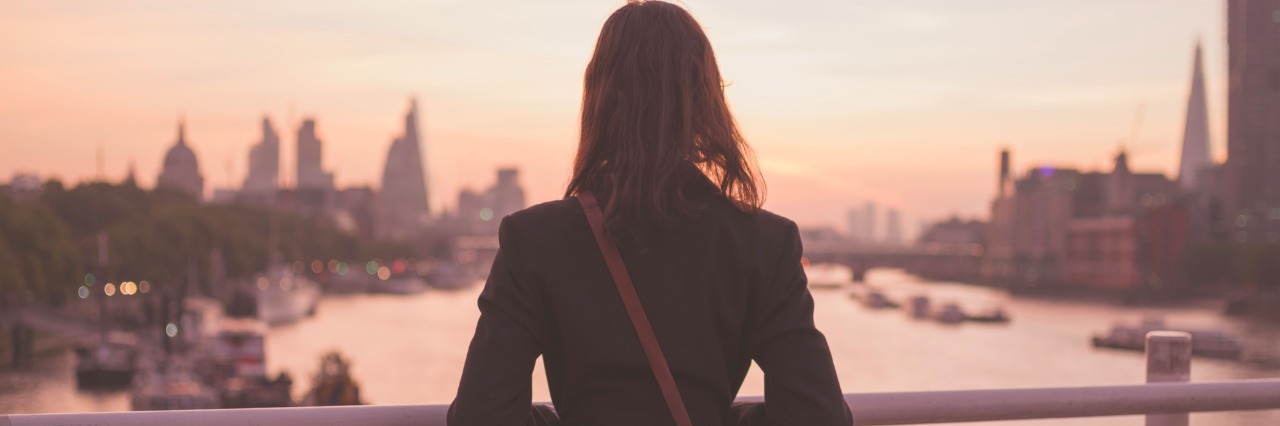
<point x="50" y="245"/>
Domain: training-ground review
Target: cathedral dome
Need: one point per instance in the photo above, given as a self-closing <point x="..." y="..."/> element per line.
<point x="181" y="170"/>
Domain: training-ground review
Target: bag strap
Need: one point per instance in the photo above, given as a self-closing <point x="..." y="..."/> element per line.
<point x="618" y="269"/>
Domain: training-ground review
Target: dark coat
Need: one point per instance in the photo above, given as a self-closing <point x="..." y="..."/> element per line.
<point x="721" y="289"/>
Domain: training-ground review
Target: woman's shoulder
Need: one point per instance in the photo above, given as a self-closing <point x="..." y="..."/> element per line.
<point x="762" y="222"/>
<point x="553" y="219"/>
<point x="546" y="220"/>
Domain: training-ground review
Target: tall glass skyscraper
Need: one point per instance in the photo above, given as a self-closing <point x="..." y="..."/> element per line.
<point x="1253" y="127"/>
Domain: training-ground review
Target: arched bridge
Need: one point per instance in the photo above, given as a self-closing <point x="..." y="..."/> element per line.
<point x="959" y="262"/>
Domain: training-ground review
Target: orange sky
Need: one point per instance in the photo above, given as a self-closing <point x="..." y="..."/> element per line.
<point x="903" y="102"/>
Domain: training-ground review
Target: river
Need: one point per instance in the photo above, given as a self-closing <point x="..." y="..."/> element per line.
<point x="410" y="350"/>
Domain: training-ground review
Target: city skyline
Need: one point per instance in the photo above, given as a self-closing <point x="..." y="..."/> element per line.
<point x="856" y="135"/>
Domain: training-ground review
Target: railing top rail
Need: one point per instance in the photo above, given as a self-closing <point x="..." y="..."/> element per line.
<point x="895" y="408"/>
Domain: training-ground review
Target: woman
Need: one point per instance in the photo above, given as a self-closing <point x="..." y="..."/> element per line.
<point x="719" y="278"/>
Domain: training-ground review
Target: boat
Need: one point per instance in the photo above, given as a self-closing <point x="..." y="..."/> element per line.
<point x="950" y="314"/>
<point x="827" y="275"/>
<point x="993" y="315"/>
<point x="1207" y="343"/>
<point x="172" y="389"/>
<point x="450" y="276"/>
<point x="402" y="286"/>
<point x="333" y="383"/>
<point x="920" y="307"/>
<point x="284" y="296"/>
<point x="109" y="363"/>
<point x="877" y="300"/>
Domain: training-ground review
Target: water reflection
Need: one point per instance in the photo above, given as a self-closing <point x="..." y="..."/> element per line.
<point x="410" y="349"/>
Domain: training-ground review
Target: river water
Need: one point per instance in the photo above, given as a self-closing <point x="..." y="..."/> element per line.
<point x="410" y="350"/>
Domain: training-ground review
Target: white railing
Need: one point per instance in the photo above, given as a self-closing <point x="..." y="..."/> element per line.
<point x="1164" y="404"/>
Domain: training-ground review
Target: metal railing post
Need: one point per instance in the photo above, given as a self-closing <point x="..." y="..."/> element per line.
<point x="1168" y="361"/>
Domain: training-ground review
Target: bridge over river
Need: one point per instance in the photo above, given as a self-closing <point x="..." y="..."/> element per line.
<point x="933" y="261"/>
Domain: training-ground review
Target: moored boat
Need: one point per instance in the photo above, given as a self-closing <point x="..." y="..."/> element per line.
<point x="993" y="315"/>
<point x="1207" y="343"/>
<point x="877" y="300"/>
<point x="919" y="307"/>
<point x="110" y="362"/>
<point x="172" y="390"/>
<point x="950" y="314"/>
<point x="284" y="296"/>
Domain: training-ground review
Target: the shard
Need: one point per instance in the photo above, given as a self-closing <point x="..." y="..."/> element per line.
<point x="402" y="201"/>
<point x="1195" y="136"/>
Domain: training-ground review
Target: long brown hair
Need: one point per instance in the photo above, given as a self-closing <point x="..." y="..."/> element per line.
<point x="655" y="121"/>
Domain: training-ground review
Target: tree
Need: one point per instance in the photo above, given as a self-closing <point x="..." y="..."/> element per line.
<point x="38" y="260"/>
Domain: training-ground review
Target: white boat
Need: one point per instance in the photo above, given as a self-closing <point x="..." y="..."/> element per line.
<point x="828" y="275"/>
<point x="1209" y="343"/>
<point x="285" y="297"/>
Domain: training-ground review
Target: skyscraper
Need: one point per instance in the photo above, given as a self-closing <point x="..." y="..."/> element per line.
<point x="181" y="169"/>
<point x="869" y="223"/>
<point x="893" y="228"/>
<point x="311" y="175"/>
<point x="1253" y="128"/>
<point x="1195" y="135"/>
<point x="402" y="201"/>
<point x="264" y="165"/>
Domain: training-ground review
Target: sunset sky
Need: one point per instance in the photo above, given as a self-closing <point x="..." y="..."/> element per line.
<point x="905" y="102"/>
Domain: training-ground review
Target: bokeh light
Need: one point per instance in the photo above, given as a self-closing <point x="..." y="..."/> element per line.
<point x="144" y="286"/>
<point x="109" y="289"/>
<point x="263" y="283"/>
<point x="171" y="330"/>
<point x="371" y="267"/>
<point x="317" y="266"/>
<point x="83" y="292"/>
<point x="384" y="273"/>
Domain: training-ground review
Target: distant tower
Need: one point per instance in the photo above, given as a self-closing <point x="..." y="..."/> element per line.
<point x="181" y="169"/>
<point x="869" y="223"/>
<point x="893" y="228"/>
<point x="1005" y="181"/>
<point x="508" y="196"/>
<point x="402" y="202"/>
<point x="1195" y="136"/>
<point x="311" y="175"/>
<point x="1120" y="185"/>
<point x="1253" y="124"/>
<point x="131" y="178"/>
<point x="264" y="165"/>
<point x="853" y="220"/>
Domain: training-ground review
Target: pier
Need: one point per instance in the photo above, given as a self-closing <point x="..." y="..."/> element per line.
<point x="1166" y="400"/>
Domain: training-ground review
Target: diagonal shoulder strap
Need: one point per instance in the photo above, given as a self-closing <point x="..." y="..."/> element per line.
<point x="653" y="352"/>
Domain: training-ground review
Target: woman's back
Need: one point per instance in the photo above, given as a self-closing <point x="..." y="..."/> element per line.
<point x="720" y="288"/>
<point x="719" y="278"/>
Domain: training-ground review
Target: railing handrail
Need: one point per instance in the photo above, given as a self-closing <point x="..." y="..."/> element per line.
<point x="896" y="408"/>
